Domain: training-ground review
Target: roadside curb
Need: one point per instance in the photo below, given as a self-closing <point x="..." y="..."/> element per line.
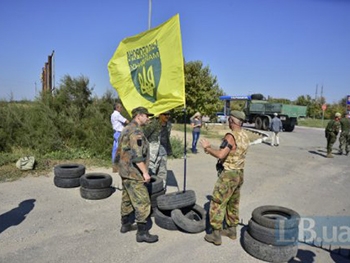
<point x="262" y="133"/>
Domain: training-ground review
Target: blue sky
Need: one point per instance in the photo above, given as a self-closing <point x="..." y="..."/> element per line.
<point x="280" y="48"/>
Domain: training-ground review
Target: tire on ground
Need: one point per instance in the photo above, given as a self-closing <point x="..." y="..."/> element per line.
<point x="163" y="217"/>
<point x="69" y="170"/>
<point x="193" y="222"/>
<point x="273" y="236"/>
<point x="66" y="182"/>
<point x="96" y="180"/>
<point x="267" y="252"/>
<point x="176" y="200"/>
<point x="95" y="194"/>
<point x="154" y="197"/>
<point x="156" y="185"/>
<point x="276" y="217"/>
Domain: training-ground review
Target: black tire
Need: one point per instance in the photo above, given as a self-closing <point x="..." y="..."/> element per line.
<point x="69" y="170"/>
<point x="257" y="96"/>
<point x="258" y="123"/>
<point x="155" y="186"/>
<point x="154" y="197"/>
<point x="265" y="124"/>
<point x="276" y="217"/>
<point x="176" y="200"/>
<point x="194" y="222"/>
<point x="163" y="219"/>
<point x="95" y="194"/>
<point x="289" y="128"/>
<point x="66" y="182"/>
<point x="267" y="252"/>
<point x="273" y="236"/>
<point x="96" y="180"/>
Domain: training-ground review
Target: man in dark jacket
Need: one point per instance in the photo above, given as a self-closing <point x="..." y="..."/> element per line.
<point x="275" y="127"/>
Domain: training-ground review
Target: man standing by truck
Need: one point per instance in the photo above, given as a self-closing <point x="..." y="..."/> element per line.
<point x="276" y="127"/>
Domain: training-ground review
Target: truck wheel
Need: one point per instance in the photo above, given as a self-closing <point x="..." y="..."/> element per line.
<point x="265" y="124"/>
<point x="258" y="123"/>
<point x="289" y="128"/>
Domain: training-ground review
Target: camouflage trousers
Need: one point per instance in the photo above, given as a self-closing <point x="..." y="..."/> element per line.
<point x="158" y="163"/>
<point x="344" y="141"/>
<point x="224" y="204"/>
<point x="331" y="138"/>
<point x="135" y="197"/>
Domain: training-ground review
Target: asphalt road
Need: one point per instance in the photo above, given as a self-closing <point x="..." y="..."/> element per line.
<point x="42" y="223"/>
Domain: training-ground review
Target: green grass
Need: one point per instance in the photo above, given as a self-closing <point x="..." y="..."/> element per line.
<point x="316" y="123"/>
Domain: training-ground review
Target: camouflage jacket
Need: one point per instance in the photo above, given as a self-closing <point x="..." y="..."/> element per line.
<point x="345" y="125"/>
<point x="133" y="148"/>
<point x="235" y="160"/>
<point x="333" y="127"/>
<point x="158" y="134"/>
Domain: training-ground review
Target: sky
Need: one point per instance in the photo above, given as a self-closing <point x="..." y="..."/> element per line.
<point x="279" y="48"/>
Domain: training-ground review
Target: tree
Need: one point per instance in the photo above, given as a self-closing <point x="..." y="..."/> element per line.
<point x="202" y="91"/>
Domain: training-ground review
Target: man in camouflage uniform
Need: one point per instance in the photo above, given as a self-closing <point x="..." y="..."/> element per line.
<point x="344" y="138"/>
<point x="133" y="156"/>
<point x="331" y="133"/>
<point x="224" y="205"/>
<point x="158" y="135"/>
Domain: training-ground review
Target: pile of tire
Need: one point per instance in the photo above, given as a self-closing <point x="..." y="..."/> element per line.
<point x="96" y="186"/>
<point x="155" y="188"/>
<point x="179" y="211"/>
<point x="272" y="234"/>
<point x="68" y="175"/>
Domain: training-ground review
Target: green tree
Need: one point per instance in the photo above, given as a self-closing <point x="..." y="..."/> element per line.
<point x="202" y="91"/>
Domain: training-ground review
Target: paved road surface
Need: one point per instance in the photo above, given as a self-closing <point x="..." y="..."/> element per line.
<point x="41" y="223"/>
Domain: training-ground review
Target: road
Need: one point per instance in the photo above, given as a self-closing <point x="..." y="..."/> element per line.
<point x="42" y="223"/>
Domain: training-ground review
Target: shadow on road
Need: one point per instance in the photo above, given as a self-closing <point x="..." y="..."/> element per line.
<point x="17" y="215"/>
<point x="318" y="152"/>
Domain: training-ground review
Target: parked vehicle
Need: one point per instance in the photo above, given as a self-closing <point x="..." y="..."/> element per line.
<point x="221" y="117"/>
<point x="260" y="112"/>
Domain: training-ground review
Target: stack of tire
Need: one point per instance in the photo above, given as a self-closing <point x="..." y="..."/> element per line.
<point x="68" y="175"/>
<point x="272" y="234"/>
<point x="155" y="188"/>
<point x="179" y="211"/>
<point x="96" y="186"/>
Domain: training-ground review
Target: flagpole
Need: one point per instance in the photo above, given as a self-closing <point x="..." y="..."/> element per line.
<point x="149" y="13"/>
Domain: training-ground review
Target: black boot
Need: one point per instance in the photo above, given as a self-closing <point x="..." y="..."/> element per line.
<point x="143" y="235"/>
<point x="126" y="225"/>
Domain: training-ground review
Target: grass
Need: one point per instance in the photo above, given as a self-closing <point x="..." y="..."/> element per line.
<point x="45" y="163"/>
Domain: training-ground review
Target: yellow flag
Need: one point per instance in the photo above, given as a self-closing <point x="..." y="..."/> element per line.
<point x="148" y="69"/>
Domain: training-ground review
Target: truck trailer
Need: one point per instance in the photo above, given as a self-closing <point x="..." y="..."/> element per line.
<point x="260" y="112"/>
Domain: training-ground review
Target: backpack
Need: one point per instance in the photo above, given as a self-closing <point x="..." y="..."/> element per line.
<point x="26" y="163"/>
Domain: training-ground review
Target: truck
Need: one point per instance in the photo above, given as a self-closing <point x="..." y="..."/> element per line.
<point x="260" y="112"/>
